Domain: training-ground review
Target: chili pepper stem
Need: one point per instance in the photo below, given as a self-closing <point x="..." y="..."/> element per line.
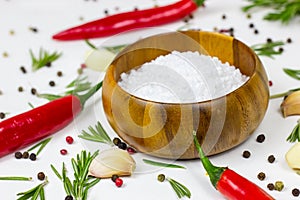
<point x="214" y="172"/>
<point x="199" y="2"/>
<point x="93" y="90"/>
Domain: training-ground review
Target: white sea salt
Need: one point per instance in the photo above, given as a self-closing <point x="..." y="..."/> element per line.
<point x="182" y="77"/>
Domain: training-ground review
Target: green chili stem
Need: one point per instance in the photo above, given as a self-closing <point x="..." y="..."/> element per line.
<point x="91" y="92"/>
<point x="199" y="2"/>
<point x="213" y="171"/>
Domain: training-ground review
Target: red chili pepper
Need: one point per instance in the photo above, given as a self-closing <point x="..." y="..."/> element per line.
<point x="230" y="184"/>
<point x="126" y="21"/>
<point x="29" y="127"/>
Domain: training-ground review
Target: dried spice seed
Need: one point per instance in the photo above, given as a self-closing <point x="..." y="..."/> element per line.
<point x="11" y="32"/>
<point x="2" y="115"/>
<point x="5" y="54"/>
<point x="22" y="68"/>
<point x="261" y="176"/>
<point x="32" y="156"/>
<point x="48" y="64"/>
<point x="256" y="31"/>
<point x="281" y="49"/>
<point x="1" y="92"/>
<point x="270" y="83"/>
<point x="161" y="177"/>
<point x="271" y="158"/>
<point x="295" y="192"/>
<point x="131" y="150"/>
<point x="246" y="154"/>
<point x="33" y="29"/>
<point x="69" y="197"/>
<point x="119" y="182"/>
<point x="20" y="89"/>
<point x="33" y="91"/>
<point x="114" y="177"/>
<point x="223" y="16"/>
<point x="52" y="83"/>
<point x="271" y="186"/>
<point x="41" y="176"/>
<point x="106" y="12"/>
<point x="116" y="141"/>
<point x="260" y="138"/>
<point x="63" y="152"/>
<point x="249" y="16"/>
<point x="251" y="25"/>
<point x="18" y="155"/>
<point x="289" y="40"/>
<point x="25" y="155"/>
<point x="269" y="40"/>
<point x="122" y="145"/>
<point x="59" y="74"/>
<point x="279" y="185"/>
<point x="69" y="140"/>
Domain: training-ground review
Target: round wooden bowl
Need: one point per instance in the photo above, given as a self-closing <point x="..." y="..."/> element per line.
<point x="166" y="129"/>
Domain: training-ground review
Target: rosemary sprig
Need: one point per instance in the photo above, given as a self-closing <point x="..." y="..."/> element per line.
<point x="41" y="145"/>
<point x="114" y="49"/>
<point x="283" y="10"/>
<point x="80" y="84"/>
<point x="34" y="193"/>
<point x="295" y="134"/>
<point x="15" y="178"/>
<point x="44" y="58"/>
<point x="97" y="134"/>
<point x="268" y="49"/>
<point x="78" y="188"/>
<point x="179" y="188"/>
<point x="161" y="164"/>
<point x="294" y="73"/>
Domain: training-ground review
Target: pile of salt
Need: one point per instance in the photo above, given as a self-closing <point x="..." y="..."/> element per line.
<point x="182" y="77"/>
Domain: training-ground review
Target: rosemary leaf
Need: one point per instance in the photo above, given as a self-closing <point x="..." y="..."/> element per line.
<point x="49" y="97"/>
<point x="41" y="145"/>
<point x="294" y="73"/>
<point x="15" y="178"/>
<point x="180" y="189"/>
<point x="97" y="134"/>
<point x="43" y="59"/>
<point x="33" y="193"/>
<point x="295" y="134"/>
<point x="56" y="172"/>
<point x="90" y="44"/>
<point x="268" y="48"/>
<point x="115" y="49"/>
<point x="161" y="164"/>
<point x="274" y="96"/>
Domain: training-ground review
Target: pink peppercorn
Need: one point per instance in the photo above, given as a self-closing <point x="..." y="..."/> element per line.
<point x="63" y="151"/>
<point x="270" y="83"/>
<point x="119" y="182"/>
<point x="130" y="150"/>
<point x="69" y="140"/>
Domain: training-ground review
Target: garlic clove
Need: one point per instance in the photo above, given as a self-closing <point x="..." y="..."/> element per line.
<point x="112" y="161"/>
<point x="293" y="157"/>
<point x="291" y="104"/>
<point x="99" y="59"/>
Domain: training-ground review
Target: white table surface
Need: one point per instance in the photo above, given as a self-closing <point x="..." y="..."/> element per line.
<point x="52" y="16"/>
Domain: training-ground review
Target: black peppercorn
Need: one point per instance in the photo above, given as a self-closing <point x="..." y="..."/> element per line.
<point x="33" y="91"/>
<point x="59" y="73"/>
<point x="161" y="177"/>
<point x="246" y="154"/>
<point x="33" y="29"/>
<point x="18" y="155"/>
<point x="52" y="83"/>
<point x="41" y="176"/>
<point x="271" y="186"/>
<point x="251" y="25"/>
<point x="295" y="192"/>
<point x="2" y="115"/>
<point x="22" y="68"/>
<point x="69" y="197"/>
<point x="114" y="177"/>
<point x="256" y="31"/>
<point x="260" y="138"/>
<point x="20" y="89"/>
<point x="32" y="156"/>
<point x="280" y="49"/>
<point x="223" y="16"/>
<point x="269" y="40"/>
<point x="25" y="154"/>
<point x="48" y="64"/>
<point x="289" y="40"/>
<point x="271" y="159"/>
<point x="261" y="176"/>
<point x="122" y="145"/>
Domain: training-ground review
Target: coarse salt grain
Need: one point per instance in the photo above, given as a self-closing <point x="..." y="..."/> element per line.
<point x="182" y="77"/>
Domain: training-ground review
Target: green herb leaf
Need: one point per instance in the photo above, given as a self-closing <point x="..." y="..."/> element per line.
<point x="41" y="146"/>
<point x="44" y="58"/>
<point x="294" y="73"/>
<point x="79" y="187"/>
<point x="161" y="164"/>
<point x="268" y="49"/>
<point x="284" y="94"/>
<point x="97" y="134"/>
<point x="295" y="134"/>
<point x="180" y="189"/>
<point x="34" y="193"/>
<point x="15" y="178"/>
<point x="283" y="10"/>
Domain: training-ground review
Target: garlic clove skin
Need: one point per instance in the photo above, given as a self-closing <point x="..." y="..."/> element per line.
<point x="292" y="157"/>
<point x="291" y="104"/>
<point x="112" y="161"/>
<point x="99" y="59"/>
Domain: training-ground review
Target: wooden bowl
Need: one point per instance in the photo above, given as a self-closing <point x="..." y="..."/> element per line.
<point x="165" y="129"/>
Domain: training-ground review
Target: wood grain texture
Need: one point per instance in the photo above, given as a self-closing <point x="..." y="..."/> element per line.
<point x="165" y="130"/>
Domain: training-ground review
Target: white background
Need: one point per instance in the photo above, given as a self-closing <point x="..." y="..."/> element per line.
<point x="50" y="17"/>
